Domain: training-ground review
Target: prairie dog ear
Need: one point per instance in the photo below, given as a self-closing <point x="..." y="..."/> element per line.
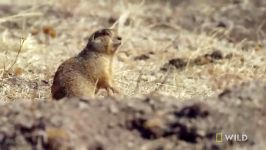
<point x="91" y="38"/>
<point x="96" y="41"/>
<point x="97" y="44"/>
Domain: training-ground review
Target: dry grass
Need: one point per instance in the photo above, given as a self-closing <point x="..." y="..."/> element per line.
<point x="30" y="77"/>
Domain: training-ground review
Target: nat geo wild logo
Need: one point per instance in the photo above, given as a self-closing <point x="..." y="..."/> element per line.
<point x="224" y="137"/>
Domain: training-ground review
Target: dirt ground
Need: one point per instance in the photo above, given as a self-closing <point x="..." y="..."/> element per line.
<point x="187" y="69"/>
<point x="143" y="123"/>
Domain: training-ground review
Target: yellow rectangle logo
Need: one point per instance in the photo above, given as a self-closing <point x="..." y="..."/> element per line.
<point x="219" y="137"/>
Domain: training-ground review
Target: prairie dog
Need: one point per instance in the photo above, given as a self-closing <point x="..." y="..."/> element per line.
<point x="89" y="71"/>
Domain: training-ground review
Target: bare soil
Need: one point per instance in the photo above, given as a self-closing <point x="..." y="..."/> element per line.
<point x="147" y="122"/>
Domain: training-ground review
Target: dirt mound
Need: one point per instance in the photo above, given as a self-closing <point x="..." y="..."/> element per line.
<point x="148" y="122"/>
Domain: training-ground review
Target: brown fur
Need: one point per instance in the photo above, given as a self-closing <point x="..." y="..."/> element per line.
<point x="89" y="71"/>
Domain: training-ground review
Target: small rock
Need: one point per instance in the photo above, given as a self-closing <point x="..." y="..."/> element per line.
<point x="216" y="54"/>
<point x="113" y="109"/>
<point x="178" y="63"/>
<point x="142" y="57"/>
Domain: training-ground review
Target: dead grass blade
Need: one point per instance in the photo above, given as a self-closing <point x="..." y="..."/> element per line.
<point x="20" y="15"/>
<point x="16" y="58"/>
<point x="160" y="85"/>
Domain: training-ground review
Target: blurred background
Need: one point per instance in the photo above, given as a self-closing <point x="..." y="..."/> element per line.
<point x="181" y="48"/>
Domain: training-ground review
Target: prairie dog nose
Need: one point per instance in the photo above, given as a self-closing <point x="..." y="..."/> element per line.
<point x="119" y="38"/>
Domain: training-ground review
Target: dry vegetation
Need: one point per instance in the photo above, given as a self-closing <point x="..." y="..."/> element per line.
<point x="179" y="48"/>
<point x="37" y="36"/>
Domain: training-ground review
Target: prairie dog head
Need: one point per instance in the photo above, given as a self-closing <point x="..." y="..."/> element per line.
<point x="105" y="41"/>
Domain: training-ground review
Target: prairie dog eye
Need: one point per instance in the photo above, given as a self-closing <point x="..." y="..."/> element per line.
<point x="119" y="38"/>
<point x="101" y="33"/>
<point x="104" y="32"/>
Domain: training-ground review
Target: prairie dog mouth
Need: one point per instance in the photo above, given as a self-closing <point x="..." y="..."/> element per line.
<point x="117" y="41"/>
